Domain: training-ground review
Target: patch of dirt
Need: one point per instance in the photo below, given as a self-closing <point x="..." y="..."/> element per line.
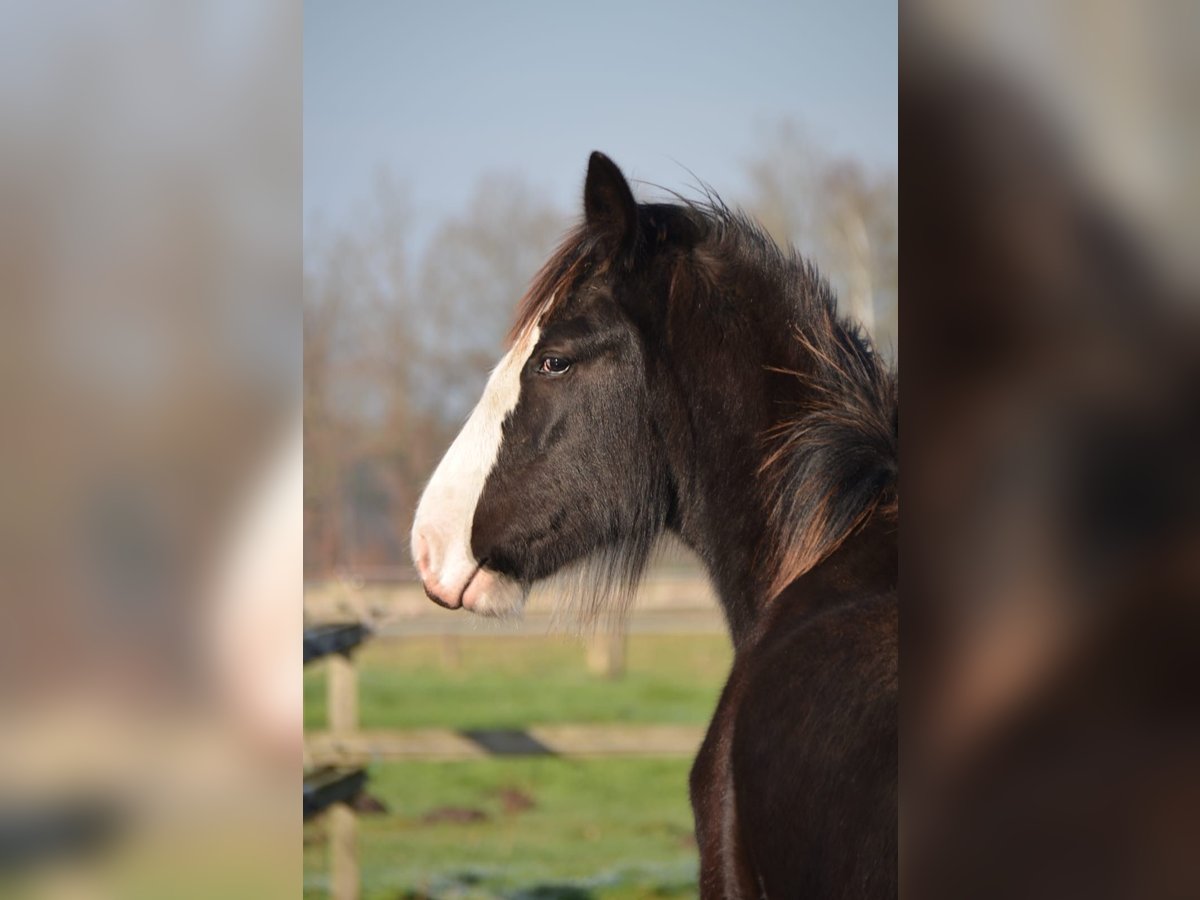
<point x="364" y="804"/>
<point x="456" y="815"/>
<point x="513" y="800"/>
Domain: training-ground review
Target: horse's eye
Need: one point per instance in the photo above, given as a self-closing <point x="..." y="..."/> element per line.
<point x="553" y="365"/>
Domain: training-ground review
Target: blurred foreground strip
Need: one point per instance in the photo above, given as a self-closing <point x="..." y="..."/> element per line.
<point x="150" y="281"/>
<point x="1051" y="640"/>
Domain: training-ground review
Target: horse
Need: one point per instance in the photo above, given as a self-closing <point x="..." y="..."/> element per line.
<point x="672" y="370"/>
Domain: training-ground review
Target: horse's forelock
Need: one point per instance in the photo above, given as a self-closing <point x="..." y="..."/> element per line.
<point x="553" y="282"/>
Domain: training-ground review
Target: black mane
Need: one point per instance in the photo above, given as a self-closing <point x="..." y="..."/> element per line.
<point x="833" y="459"/>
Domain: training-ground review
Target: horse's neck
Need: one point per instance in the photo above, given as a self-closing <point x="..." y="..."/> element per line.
<point x="866" y="564"/>
<point x="722" y="513"/>
<point x="729" y="540"/>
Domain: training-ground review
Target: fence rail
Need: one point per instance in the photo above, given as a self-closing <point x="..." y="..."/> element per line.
<point x="573" y="741"/>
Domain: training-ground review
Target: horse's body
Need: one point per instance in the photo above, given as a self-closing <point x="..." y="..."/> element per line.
<point x="794" y="789"/>
<point x="672" y="370"/>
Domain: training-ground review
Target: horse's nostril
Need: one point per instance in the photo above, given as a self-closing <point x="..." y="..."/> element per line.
<point x="438" y="600"/>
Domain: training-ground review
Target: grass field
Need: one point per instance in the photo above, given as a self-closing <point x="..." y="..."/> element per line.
<point x="525" y="828"/>
<point x="503" y="681"/>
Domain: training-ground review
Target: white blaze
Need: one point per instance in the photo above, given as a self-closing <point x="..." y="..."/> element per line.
<point x="441" y="537"/>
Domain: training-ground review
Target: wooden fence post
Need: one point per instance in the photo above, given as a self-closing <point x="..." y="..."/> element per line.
<point x="451" y="652"/>
<point x="329" y="789"/>
<point x="343" y="823"/>
<point x="606" y="653"/>
<point x="343" y="694"/>
<point x="343" y="852"/>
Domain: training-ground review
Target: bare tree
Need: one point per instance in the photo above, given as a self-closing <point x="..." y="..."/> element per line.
<point x="357" y="359"/>
<point x="838" y="213"/>
<point x="396" y="349"/>
<point x="473" y="273"/>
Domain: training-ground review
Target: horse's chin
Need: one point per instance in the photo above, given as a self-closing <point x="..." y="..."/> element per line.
<point x="492" y="594"/>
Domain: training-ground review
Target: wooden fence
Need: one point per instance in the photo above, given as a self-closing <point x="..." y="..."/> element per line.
<point x="335" y="760"/>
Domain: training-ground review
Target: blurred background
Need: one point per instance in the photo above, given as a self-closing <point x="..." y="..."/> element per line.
<point x="150" y="466"/>
<point x="445" y="148"/>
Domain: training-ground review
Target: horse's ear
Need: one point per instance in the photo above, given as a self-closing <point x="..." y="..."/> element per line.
<point x="608" y="204"/>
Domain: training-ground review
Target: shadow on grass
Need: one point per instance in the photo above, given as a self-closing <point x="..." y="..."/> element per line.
<point x="551" y="892"/>
<point x="532" y="892"/>
<point x="470" y="886"/>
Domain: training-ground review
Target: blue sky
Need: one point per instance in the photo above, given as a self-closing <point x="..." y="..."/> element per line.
<point x="442" y="92"/>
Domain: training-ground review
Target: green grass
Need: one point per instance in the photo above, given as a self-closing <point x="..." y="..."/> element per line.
<point x="600" y="829"/>
<point x="511" y="682"/>
<point x="607" y="829"/>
